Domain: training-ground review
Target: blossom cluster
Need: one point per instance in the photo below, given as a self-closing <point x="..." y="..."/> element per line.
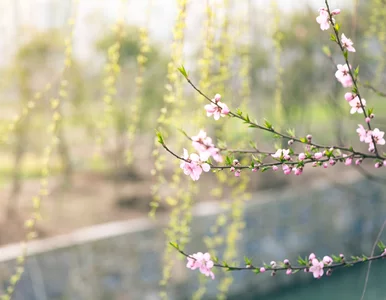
<point x="202" y="262"/>
<point x="216" y="108"/>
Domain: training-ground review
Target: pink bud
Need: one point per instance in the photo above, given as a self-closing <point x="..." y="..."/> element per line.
<point x="302" y="156"/>
<point x="290" y="142"/>
<point x="349" y="96"/>
<point x="341" y="256"/>
<point x="327" y="260"/>
<point x="286" y="261"/>
<point x="254" y="170"/>
<point x="329" y="272"/>
<point x="318" y="155"/>
<point x="237" y="173"/>
<point x="312" y="256"/>
<point x="232" y="169"/>
<point x="325" y="165"/>
<point x="273" y="264"/>
<point x="309" y="137"/>
<point x="217" y="98"/>
<point x="288" y="272"/>
<point x="314" y="164"/>
<point x="378" y="165"/>
<point x="274" y="168"/>
<point x="348" y="161"/>
<point x="367" y="120"/>
<point x="358" y="161"/>
<point x="236" y="162"/>
<point x="262" y="270"/>
<point x="335" y="12"/>
<point x="372" y="116"/>
<point x="332" y="162"/>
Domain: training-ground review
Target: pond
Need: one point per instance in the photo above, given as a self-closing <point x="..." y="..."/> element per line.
<point x="345" y="283"/>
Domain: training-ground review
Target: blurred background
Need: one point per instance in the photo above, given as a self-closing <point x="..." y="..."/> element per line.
<point x="85" y="84"/>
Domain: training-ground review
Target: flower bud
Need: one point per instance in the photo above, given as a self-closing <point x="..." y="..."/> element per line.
<point x="286" y="261"/>
<point x="367" y="120"/>
<point x="309" y="137"/>
<point x="288" y="272"/>
<point x="262" y="270"/>
<point x="329" y="272"/>
<point x="273" y="264"/>
<point x="290" y="142"/>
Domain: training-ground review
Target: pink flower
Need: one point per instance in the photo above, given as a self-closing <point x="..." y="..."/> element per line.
<point x="282" y="153"/>
<point x="203" y="144"/>
<point x="217" y="109"/>
<point x="347" y="43"/>
<point x="237" y="173"/>
<point x="335" y="12"/>
<point x="202" y="262"/>
<point x="377" y="135"/>
<point x="287" y="170"/>
<point x="362" y="132"/>
<point x="349" y="96"/>
<point x="332" y="162"/>
<point x="343" y="75"/>
<point x="325" y="165"/>
<point x="318" y="155"/>
<point x="302" y="156"/>
<point x="348" y="161"/>
<point x="356" y="105"/>
<point x="378" y="165"/>
<point x="194" y="164"/>
<point x="358" y="161"/>
<point x="275" y="168"/>
<point x="312" y="256"/>
<point x="323" y="19"/>
<point x="327" y="260"/>
<point x="317" y="268"/>
<point x="297" y="171"/>
<point x="262" y="270"/>
<point x="288" y="272"/>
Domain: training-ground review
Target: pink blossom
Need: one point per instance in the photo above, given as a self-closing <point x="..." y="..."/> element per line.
<point x="302" y="156"/>
<point x="377" y="135"/>
<point x="335" y="12"/>
<point x="332" y="162"/>
<point x="327" y="260"/>
<point x="323" y="19"/>
<point x="317" y="268"/>
<point x="312" y="256"/>
<point x="362" y="132"/>
<point x="202" y="262"/>
<point x="203" y="144"/>
<point x="378" y="165"/>
<point x="367" y="120"/>
<point x="356" y="105"/>
<point x="194" y="164"/>
<point x="237" y="173"/>
<point x="325" y="165"/>
<point x="275" y="168"/>
<point x="348" y="161"/>
<point x="349" y="96"/>
<point x="343" y="75"/>
<point x="318" y="155"/>
<point x="217" y="109"/>
<point x="282" y="153"/>
<point x="287" y="170"/>
<point x="347" y="43"/>
<point x="288" y="272"/>
<point x="297" y="171"/>
<point x="262" y="270"/>
<point x="358" y="161"/>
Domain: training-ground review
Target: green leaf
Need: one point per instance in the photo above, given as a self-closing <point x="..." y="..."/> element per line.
<point x="381" y="246"/>
<point x="332" y="37"/>
<point x="228" y="160"/>
<point x="326" y="51"/>
<point x="356" y="71"/>
<point x="174" y="245"/>
<point x="267" y="124"/>
<point x="160" y="138"/>
<point x="248" y="261"/>
<point x="337" y="26"/>
<point x="256" y="271"/>
<point x="263" y="169"/>
<point x="303" y="140"/>
<point x="291" y="132"/>
<point x="370" y="111"/>
<point x="183" y="71"/>
<point x="345" y="54"/>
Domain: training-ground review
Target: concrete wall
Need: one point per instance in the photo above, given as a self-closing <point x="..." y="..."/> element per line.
<point x="122" y="260"/>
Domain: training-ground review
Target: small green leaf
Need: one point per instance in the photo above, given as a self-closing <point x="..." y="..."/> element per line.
<point x="345" y="54"/>
<point x="326" y="50"/>
<point x="381" y="246"/>
<point x="174" y="245"/>
<point x="160" y="138"/>
<point x="303" y="140"/>
<point x="332" y="37"/>
<point x="247" y="261"/>
<point x="256" y="271"/>
<point x="356" y="71"/>
<point x="263" y="169"/>
<point x="267" y="124"/>
<point x="337" y="26"/>
<point x="183" y="71"/>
